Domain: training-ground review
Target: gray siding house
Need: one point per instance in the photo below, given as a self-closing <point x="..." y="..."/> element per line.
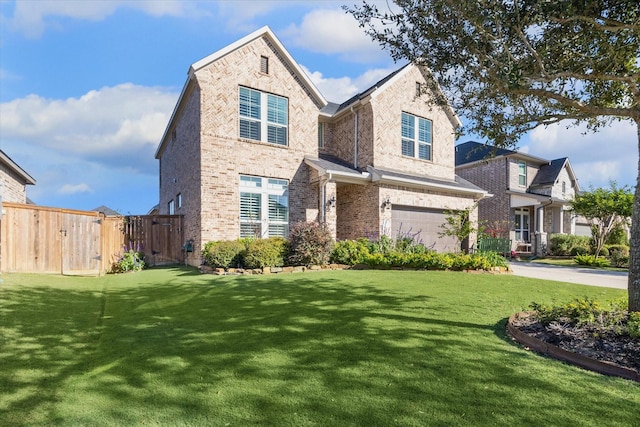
<point x="531" y="195"/>
<point x="253" y="147"/>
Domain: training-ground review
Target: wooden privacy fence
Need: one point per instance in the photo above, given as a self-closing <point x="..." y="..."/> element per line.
<point x="37" y="239"/>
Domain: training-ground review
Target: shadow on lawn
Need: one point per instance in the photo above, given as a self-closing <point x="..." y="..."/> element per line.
<point x="265" y="350"/>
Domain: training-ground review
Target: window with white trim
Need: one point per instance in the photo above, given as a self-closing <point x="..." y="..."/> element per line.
<point x="263" y="116"/>
<point x="522" y="173"/>
<point x="416" y="137"/>
<point x="171" y="207"/>
<point x="521" y="224"/>
<point x="264" y="207"/>
<point x="179" y="200"/>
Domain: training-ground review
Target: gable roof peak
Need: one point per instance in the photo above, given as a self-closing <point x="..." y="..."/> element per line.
<point x="271" y="36"/>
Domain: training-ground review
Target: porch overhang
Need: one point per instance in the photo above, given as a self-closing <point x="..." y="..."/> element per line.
<point x="457" y="186"/>
<point x="336" y="172"/>
<point x="520" y="200"/>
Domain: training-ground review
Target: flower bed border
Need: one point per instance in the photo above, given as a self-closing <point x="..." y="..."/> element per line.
<point x="556" y="352"/>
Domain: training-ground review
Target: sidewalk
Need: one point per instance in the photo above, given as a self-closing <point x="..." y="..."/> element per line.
<point x="584" y="276"/>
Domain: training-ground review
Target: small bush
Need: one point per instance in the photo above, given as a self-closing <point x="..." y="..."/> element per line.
<point x="350" y="252"/>
<point x="619" y="255"/>
<point x="618" y="236"/>
<point x="604" y="251"/>
<point x="310" y="244"/>
<point x="562" y="244"/>
<point x="579" y="250"/>
<point x="591" y="260"/>
<point x="269" y="252"/>
<point x="224" y="254"/>
<point x="130" y="260"/>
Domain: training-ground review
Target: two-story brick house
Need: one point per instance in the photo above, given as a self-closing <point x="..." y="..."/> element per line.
<point x="531" y="196"/>
<point x="253" y="147"/>
<point x="13" y="180"/>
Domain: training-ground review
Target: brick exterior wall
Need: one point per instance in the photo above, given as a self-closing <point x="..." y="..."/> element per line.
<point x="13" y="187"/>
<point x="387" y="109"/>
<point x="210" y="157"/>
<point x="492" y="176"/>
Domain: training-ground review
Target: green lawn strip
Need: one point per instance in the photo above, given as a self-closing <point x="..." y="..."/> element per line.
<point x="569" y="262"/>
<point x="173" y="347"/>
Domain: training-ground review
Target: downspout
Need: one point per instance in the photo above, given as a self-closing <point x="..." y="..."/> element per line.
<point x="355" y="139"/>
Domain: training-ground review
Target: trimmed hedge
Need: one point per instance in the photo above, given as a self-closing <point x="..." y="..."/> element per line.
<point x="269" y="252"/>
<point x="568" y="244"/>
<point x="224" y="254"/>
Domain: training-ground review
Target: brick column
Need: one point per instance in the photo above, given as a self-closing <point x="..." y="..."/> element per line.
<point x="330" y="205"/>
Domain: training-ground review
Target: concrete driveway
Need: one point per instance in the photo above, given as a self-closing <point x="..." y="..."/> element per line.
<point x="584" y="276"/>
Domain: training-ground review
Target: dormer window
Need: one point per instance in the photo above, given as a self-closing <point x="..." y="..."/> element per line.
<point x="264" y="65"/>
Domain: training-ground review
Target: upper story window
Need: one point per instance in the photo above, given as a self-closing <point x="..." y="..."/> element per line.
<point x="416" y="137"/>
<point x="564" y="188"/>
<point x="179" y="200"/>
<point x="264" y="65"/>
<point x="171" y="207"/>
<point x="320" y="135"/>
<point x="263" y="116"/>
<point x="522" y="173"/>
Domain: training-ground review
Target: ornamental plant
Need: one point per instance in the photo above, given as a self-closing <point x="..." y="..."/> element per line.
<point x="130" y="260"/>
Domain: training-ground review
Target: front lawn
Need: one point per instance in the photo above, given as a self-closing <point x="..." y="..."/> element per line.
<point x="570" y="262"/>
<point x="375" y="348"/>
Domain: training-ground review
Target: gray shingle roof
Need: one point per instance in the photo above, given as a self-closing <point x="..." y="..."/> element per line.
<point x="457" y="183"/>
<point x="472" y="151"/>
<point x="548" y="173"/>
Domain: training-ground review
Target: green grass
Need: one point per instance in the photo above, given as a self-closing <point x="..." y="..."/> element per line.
<point x="375" y="348"/>
<point x="569" y="262"/>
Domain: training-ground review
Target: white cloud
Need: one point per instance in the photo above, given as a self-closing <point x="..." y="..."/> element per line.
<point x="69" y="189"/>
<point x="32" y="17"/>
<point x="119" y="126"/>
<point x="333" y="31"/>
<point x="597" y="158"/>
<point x="339" y="89"/>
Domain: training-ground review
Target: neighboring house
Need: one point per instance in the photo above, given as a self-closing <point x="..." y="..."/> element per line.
<point x="13" y="181"/>
<point x="253" y="147"/>
<point x="531" y="195"/>
<point x="107" y="211"/>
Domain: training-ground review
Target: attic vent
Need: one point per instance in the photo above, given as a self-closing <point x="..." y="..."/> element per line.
<point x="264" y="65"/>
<point x="418" y="89"/>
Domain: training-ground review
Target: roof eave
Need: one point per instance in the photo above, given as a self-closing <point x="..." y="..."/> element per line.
<point x="28" y="179"/>
<point x="377" y="176"/>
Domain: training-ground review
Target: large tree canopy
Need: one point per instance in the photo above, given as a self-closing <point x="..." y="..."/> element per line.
<point x="509" y="66"/>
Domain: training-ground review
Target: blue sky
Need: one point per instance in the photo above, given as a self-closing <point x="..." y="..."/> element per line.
<point x="87" y="88"/>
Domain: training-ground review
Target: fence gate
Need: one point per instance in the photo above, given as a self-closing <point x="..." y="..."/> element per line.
<point x="80" y="239"/>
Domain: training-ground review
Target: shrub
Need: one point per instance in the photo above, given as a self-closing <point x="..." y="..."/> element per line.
<point x="130" y="260"/>
<point x="591" y="260"/>
<point x="604" y="251"/>
<point x="269" y="252"/>
<point x="310" y="244"/>
<point x="562" y="244"/>
<point x="224" y="254"/>
<point x="579" y="250"/>
<point x="619" y="255"/>
<point x="618" y="236"/>
<point x="350" y="252"/>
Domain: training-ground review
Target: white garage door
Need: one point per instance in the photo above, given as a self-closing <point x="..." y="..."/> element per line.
<point x="424" y="224"/>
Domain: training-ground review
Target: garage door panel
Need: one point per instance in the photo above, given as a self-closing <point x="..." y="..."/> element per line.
<point x="424" y="224"/>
